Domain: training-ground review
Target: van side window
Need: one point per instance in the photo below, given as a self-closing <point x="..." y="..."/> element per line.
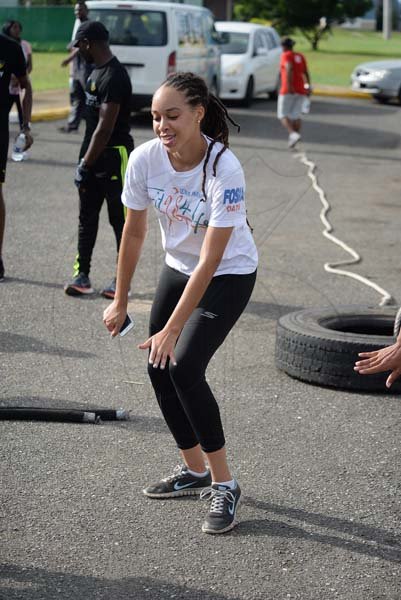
<point x="211" y="34"/>
<point x="183" y="28"/>
<point x="198" y="36"/>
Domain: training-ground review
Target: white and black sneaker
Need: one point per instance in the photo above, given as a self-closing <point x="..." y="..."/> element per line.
<point x="180" y="483"/>
<point x="224" y="504"/>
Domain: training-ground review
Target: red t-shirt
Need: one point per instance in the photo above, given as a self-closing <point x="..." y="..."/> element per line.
<point x="298" y="69"/>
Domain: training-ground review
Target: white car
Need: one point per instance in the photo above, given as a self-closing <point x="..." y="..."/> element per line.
<point x="381" y="79"/>
<point x="250" y="60"/>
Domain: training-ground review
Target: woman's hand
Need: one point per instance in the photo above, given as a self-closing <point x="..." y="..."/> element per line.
<point x="161" y="346"/>
<point x="385" y="359"/>
<point x="113" y="317"/>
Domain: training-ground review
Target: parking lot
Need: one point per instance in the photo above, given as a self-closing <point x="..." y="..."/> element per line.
<point x="319" y="467"/>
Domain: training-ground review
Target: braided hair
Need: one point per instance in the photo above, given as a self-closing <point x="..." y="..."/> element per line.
<point x="214" y="123"/>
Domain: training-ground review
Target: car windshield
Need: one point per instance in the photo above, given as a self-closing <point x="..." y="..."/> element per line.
<point x="234" y="42"/>
<point x="133" y="27"/>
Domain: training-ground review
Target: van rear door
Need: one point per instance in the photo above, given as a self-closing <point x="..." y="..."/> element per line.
<point x="139" y="39"/>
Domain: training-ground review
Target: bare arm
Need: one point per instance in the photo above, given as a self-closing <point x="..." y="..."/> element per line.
<point x="162" y="344"/>
<point x="107" y="118"/>
<point x="134" y="233"/>
<point x="29" y="64"/>
<point x="71" y="57"/>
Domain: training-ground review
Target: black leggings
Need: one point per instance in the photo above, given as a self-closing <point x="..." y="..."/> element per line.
<point x="185" y="399"/>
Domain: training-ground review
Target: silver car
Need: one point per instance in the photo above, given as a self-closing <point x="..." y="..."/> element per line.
<point x="381" y="79"/>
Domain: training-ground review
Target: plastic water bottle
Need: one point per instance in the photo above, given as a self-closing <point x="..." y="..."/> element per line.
<point x="18" y="153"/>
<point x="306" y="105"/>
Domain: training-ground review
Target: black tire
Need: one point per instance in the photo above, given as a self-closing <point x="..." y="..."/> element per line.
<point x="321" y="345"/>
<point x="248" y="98"/>
<point x="381" y="99"/>
<point x="274" y="94"/>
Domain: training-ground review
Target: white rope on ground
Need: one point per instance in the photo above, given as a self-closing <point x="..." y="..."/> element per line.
<point x="333" y="267"/>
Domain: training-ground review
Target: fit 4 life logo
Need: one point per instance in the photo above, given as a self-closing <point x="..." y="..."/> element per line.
<point x="233" y="198"/>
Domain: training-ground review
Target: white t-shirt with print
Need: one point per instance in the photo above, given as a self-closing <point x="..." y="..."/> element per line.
<point x="182" y="212"/>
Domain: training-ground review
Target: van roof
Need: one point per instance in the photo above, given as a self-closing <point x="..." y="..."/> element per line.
<point x="138" y="4"/>
<point x="239" y="26"/>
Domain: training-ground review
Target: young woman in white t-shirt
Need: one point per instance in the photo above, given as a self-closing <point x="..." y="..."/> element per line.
<point x="196" y="185"/>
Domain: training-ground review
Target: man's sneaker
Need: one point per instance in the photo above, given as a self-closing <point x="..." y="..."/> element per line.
<point x="224" y="504"/>
<point x="180" y="483"/>
<point x="293" y="139"/>
<point x="79" y="285"/>
<point x="110" y="290"/>
<point x="1" y="270"/>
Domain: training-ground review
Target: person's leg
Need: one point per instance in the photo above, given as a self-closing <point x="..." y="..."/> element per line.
<point x="2" y="227"/>
<point x="288" y="124"/>
<point x="115" y="160"/>
<point x="90" y="204"/>
<point x="206" y="329"/>
<point x="168" y="292"/>
<point x="77" y="105"/>
<point x="208" y="326"/>
<point x="194" y="476"/>
<point x="283" y="111"/>
<point x="4" y="140"/>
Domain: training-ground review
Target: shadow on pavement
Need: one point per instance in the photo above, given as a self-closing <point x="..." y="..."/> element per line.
<point x="14" y="342"/>
<point x="268" y="310"/>
<point x="375" y="542"/>
<point x="41" y="584"/>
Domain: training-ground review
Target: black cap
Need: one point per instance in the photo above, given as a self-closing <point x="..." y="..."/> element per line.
<point x="287" y="42"/>
<point x="93" y="31"/>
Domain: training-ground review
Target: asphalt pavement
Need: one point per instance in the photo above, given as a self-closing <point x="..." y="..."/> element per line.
<point x="319" y="468"/>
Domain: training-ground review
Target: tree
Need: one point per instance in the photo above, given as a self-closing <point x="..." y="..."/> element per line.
<point x="312" y="17"/>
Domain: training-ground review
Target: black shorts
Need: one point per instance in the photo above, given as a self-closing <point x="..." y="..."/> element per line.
<point x="4" y="139"/>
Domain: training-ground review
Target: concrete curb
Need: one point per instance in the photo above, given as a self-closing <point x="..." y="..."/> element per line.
<point x="340" y="93"/>
<point x="54" y="114"/>
<point x="51" y="114"/>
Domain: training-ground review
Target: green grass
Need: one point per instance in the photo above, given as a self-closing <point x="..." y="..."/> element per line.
<point x="341" y="51"/>
<point x="47" y="74"/>
<point x="332" y="64"/>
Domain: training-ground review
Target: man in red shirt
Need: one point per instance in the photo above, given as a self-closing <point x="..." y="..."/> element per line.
<point x="295" y="87"/>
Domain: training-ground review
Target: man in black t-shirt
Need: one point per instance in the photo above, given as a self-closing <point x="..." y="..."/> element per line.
<point x="12" y="61"/>
<point x="104" y="151"/>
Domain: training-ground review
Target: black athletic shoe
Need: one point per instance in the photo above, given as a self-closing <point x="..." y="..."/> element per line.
<point x="221" y="517"/>
<point x="79" y="286"/>
<point x="1" y="270"/>
<point x="180" y="483"/>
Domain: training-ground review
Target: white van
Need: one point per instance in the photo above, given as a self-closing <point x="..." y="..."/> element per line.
<point x="154" y="39"/>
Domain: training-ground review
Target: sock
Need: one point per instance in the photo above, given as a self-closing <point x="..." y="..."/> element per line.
<point x="196" y="474"/>
<point x="230" y="484"/>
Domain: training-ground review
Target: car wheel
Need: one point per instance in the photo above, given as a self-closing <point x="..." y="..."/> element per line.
<point x="247" y="100"/>
<point x="274" y="94"/>
<point x="381" y="99"/>
<point x="321" y="345"/>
